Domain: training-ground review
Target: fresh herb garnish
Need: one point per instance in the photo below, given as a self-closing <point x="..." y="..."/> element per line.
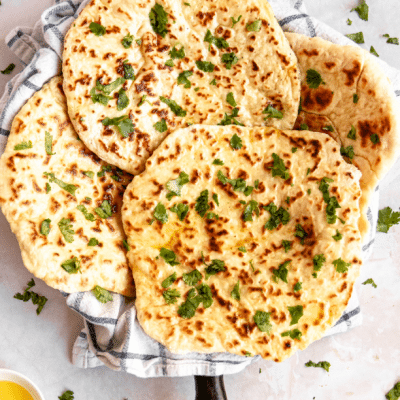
<point x="347" y="152"/>
<point x="192" y="278"/>
<point x="278" y="216"/>
<point x="158" y="20"/>
<point x="127" y="41"/>
<point x="171" y="295"/>
<point x="205" y="66"/>
<point x="238" y="185"/>
<point x="183" y="79"/>
<point x="254" y="26"/>
<point x="160" y="214"/>
<point x="282" y="272"/>
<point x="123" y="123"/>
<point x="236" y="142"/>
<point x="318" y="262"/>
<point x="370" y="281"/>
<point x="174" y="107"/>
<point x="169" y="63"/>
<point x="341" y="266"/>
<point x="217" y="161"/>
<point x="300" y="233"/>
<point x="356" y="37"/>
<point x="23" y="146"/>
<point x="387" y="218"/>
<point x="38" y="300"/>
<point x="229" y="59"/>
<point x="48" y="187"/>
<point x="304" y="127"/>
<point x="212" y="215"/>
<point x="235" y="293"/>
<point x="338" y="236"/>
<point x="181" y="210"/>
<point x="93" y="242"/>
<point x="296" y="313"/>
<point x="220" y="42"/>
<point x="314" y="79"/>
<point x="230" y="99"/>
<point x="297" y="287"/>
<point x="45" y="227"/>
<point x="144" y="100"/>
<point x="213" y="268"/>
<point x="287" y="245"/>
<point x="68" y="395"/>
<point x="373" y="51"/>
<point x="352" y="133"/>
<point x="256" y="183"/>
<point x="89" y="174"/>
<point x="48" y="143"/>
<point x="84" y="211"/>
<point x="99" y="97"/>
<point x="279" y="168"/>
<point x="242" y="249"/>
<point x="101" y="294"/>
<point x="294" y="149"/>
<point x="355" y="98"/>
<point x="8" y="70"/>
<point x="174" y="187"/>
<point x="215" y="198"/>
<point x="126" y="245"/>
<point x="97" y="29"/>
<point x="169" y="256"/>
<point x="394" y="393"/>
<point x="328" y="128"/>
<point x="202" y="205"/>
<point x="293" y="334"/>
<point x="322" y="364"/>
<point x="349" y="21"/>
<point x="123" y="100"/>
<point x="234" y="22"/>
<point x="231" y="119"/>
<point x="66" y="229"/>
<point x="161" y="126"/>
<point x="177" y="54"/>
<point x="104" y="211"/>
<point x="213" y="82"/>
<point x="374" y="138"/>
<point x="167" y="282"/>
<point x="272" y="112"/>
<point x="331" y="202"/>
<point x="104" y="169"/>
<point x="129" y="73"/>
<point x="250" y="208"/>
<point x="391" y="40"/>
<point x="66" y="186"/>
<point x="362" y="10"/>
<point x="107" y="89"/>
<point x="261" y="318"/>
<point x="72" y="266"/>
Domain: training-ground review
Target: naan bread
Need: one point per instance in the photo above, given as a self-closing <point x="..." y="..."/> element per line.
<point x="348" y="71"/>
<point x="249" y="251"/>
<point x="26" y="204"/>
<point x="265" y="73"/>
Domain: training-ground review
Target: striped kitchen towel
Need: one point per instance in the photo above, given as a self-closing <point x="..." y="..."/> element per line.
<point x="112" y="335"/>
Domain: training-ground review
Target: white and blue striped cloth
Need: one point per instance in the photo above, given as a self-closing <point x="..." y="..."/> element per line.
<point x="112" y="335"/>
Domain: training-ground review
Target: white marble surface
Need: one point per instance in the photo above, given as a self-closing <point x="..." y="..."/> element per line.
<point x="365" y="361"/>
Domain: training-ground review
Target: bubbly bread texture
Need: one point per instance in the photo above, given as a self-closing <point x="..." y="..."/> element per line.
<point x="62" y="202"/>
<point x="243" y="239"/>
<point x="354" y="103"/>
<point x="171" y="65"/>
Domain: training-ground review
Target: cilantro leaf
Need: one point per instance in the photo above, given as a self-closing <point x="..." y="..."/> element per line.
<point x="352" y="133"/>
<point x="202" y="205"/>
<point x="322" y="364"/>
<point x="167" y="282"/>
<point x="231" y="119"/>
<point x="160" y="213"/>
<point x="235" y="293"/>
<point x="68" y="395"/>
<point x="212" y="215"/>
<point x="296" y="312"/>
<point x="314" y="79"/>
<point x="181" y="210"/>
<point x="261" y="318"/>
<point x="341" y="266"/>
<point x="66" y="230"/>
<point x="254" y="26"/>
<point x="374" y="138"/>
<point x="175" y="186"/>
<point x="282" y="272"/>
<point x="304" y="127"/>
<point x="188" y="308"/>
<point x="294" y="149"/>
<point x="349" y="21"/>
<point x="169" y="63"/>
<point x="318" y="262"/>
<point x="213" y="82"/>
<point x="104" y="211"/>
<point x="356" y="37"/>
<point x="332" y="203"/>
<point x="45" y="227"/>
<point x="192" y="278"/>
<point x="287" y="245"/>
<point x="48" y="187"/>
<point x="362" y="10"/>
<point x="328" y="128"/>
<point x="174" y="107"/>
<point x="126" y="245"/>
<point x="215" y="267"/>
<point x="101" y="294"/>
<point x="279" y="168"/>
<point x="169" y="256"/>
<point x="183" y="79"/>
<point x="205" y="66"/>
<point x="236" y="142"/>
<point x="394" y="393"/>
<point x="127" y="41"/>
<point x="347" y="152"/>
<point x="161" y="126"/>
<point x="242" y="249"/>
<point x="215" y="198"/>
<point x="297" y="287"/>
<point x="338" y="236"/>
<point x="8" y="70"/>
<point x="230" y="99"/>
<point x="123" y="123"/>
<point x="229" y="59"/>
<point x="300" y="233"/>
<point x="234" y="22"/>
<point x="251" y="207"/>
<point x="123" y="100"/>
<point x="66" y="186"/>
<point x="99" y="98"/>
<point x="204" y="295"/>
<point x="278" y="216"/>
<point x="272" y="112"/>
<point x="370" y="281"/>
<point x="293" y="334"/>
<point x="72" y="266"/>
<point x="170" y="296"/>
<point x="107" y="89"/>
<point x="217" y="161"/>
<point x="129" y="73"/>
<point x="97" y="29"/>
<point x="391" y="40"/>
<point x="373" y="51"/>
<point x="238" y="185"/>
<point x="387" y="218"/>
<point x="143" y="100"/>
<point x="23" y="146"/>
<point x="84" y="211"/>
<point x="220" y="42"/>
<point x="158" y="20"/>
<point x="93" y="242"/>
<point x="48" y="143"/>
<point x="38" y="300"/>
<point x="355" y="98"/>
<point x="177" y="54"/>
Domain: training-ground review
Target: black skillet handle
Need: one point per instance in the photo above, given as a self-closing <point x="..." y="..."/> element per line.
<point x="210" y="388"/>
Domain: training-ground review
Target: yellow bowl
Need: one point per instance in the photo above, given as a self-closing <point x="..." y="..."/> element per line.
<point x="7" y="375"/>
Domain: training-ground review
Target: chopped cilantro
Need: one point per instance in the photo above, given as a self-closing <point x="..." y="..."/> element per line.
<point x="308" y="171"/>
<point x="93" y="242"/>
<point x="278" y="216"/>
<point x="332" y="203"/>
<point x="229" y="59"/>
<point x="170" y="296"/>
<point x="160" y="214"/>
<point x="158" y="20"/>
<point x="282" y="272"/>
<point x="238" y="185"/>
<point x="48" y="143"/>
<point x="248" y="354"/>
<point x="212" y="215"/>
<point x="187" y="4"/>
<point x="107" y="89"/>
<point x="175" y="108"/>
<point x="252" y="266"/>
<point x="123" y="100"/>
<point x="99" y="98"/>
<point x="297" y="287"/>
<point x="272" y="112"/>
<point x="23" y="146"/>
<point x="287" y="245"/>
<point x="231" y="119"/>
<point x="215" y="198"/>
<point x="89" y="174"/>
<point x="101" y="294"/>
<point x="314" y="274"/>
<point x="362" y="10"/>
<point x="84" y="211"/>
<point x="169" y="63"/>
<point x="127" y="41"/>
<point x="169" y="256"/>
<point x="69" y="394"/>
<point x="215" y="267"/>
<point x="254" y="26"/>
<point x="72" y="266"/>
<point x="220" y="42"/>
<point x="294" y="149"/>
<point x="8" y="70"/>
<point x="230" y="99"/>
<point x="251" y="207"/>
<point x="256" y="183"/>
<point x="370" y="281"/>
<point x="202" y="205"/>
<point x="304" y="127"/>
<point x="161" y="126"/>
<point x="183" y="79"/>
<point x="167" y="282"/>
<point x="188" y="308"/>
<point x="308" y="191"/>
<point x="174" y="187"/>
<point x="318" y="262"/>
<point x="314" y="79"/>
<point x="341" y="266"/>
<point x="126" y="245"/>
<point x="394" y="393"/>
<point x="261" y="318"/>
<point x="279" y="168"/>
<point x="387" y="218"/>
<point x="373" y="51"/>
<point x="104" y="211"/>
<point x="104" y="169"/>
<point x="236" y="142"/>
<point x="349" y="21"/>
<point x="296" y="313"/>
<point x="338" y="236"/>
<point x="235" y="293"/>
<point x="129" y="73"/>
<point x="328" y="128"/>
<point x="123" y="123"/>
<point x="300" y="233"/>
<point x="391" y="40"/>
<point x="293" y="334"/>
<point x="242" y="249"/>
<point x="352" y="133"/>
<point x="347" y="152"/>
<point x="213" y="82"/>
<point x="205" y="66"/>
<point x="45" y="227"/>
<point x="66" y="229"/>
<point x="48" y="187"/>
<point x="374" y="138"/>
<point x="177" y="54"/>
<point x="143" y="100"/>
<point x="234" y="22"/>
<point x="217" y="161"/>
<point x="38" y="300"/>
<point x="192" y="278"/>
<point x="355" y="98"/>
<point x="322" y="364"/>
<point x="97" y="29"/>
<point x="356" y="37"/>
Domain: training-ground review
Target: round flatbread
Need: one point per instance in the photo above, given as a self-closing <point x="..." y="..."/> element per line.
<point x="167" y="65"/>
<point x="62" y="202"/>
<point x="346" y="94"/>
<point x="242" y="246"/>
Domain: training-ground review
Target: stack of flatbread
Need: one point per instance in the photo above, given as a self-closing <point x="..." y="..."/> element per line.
<point x="253" y="155"/>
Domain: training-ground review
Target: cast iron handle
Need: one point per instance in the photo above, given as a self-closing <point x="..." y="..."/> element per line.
<point x="210" y="388"/>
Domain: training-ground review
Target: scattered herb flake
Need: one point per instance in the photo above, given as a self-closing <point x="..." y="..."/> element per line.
<point x="217" y="161"/>
<point x="192" y="278"/>
<point x="93" y="242"/>
<point x="254" y="26"/>
<point x="300" y="233"/>
<point x="174" y="107"/>
<point x="167" y="282"/>
<point x="394" y="393"/>
<point x="287" y="245"/>
<point x="297" y="287"/>
<point x="272" y="112"/>
<point x="158" y="20"/>
<point x="69" y="394"/>
<point x="229" y="59"/>
<point x="370" y="281"/>
<point x="278" y="216"/>
<point x="322" y="364"/>
<point x="387" y="218"/>
<point x="215" y="198"/>
<point x="294" y="149"/>
<point x="318" y="262"/>
<point x="338" y="236"/>
<point x="314" y="79"/>
<point x="304" y="127"/>
<point x="8" y="70"/>
<point x="161" y="126"/>
<point x="234" y="22"/>
<point x="296" y="312"/>
<point x="373" y="51"/>
<point x="356" y="37"/>
<point x="328" y="128"/>
<point x="169" y="256"/>
<point x="104" y="211"/>
<point x="202" y="205"/>
<point x="123" y="100"/>
<point x="66" y="229"/>
<point x="213" y="82"/>
<point x="230" y="99"/>
<point x="220" y="42"/>
<point x="236" y="142"/>
<point x="45" y="227"/>
<point x="352" y="133"/>
<point x="23" y="146"/>
<point x="355" y="98"/>
<point x="72" y="266"/>
<point x="347" y="152"/>
<point x="171" y="295"/>
<point x="177" y="54"/>
<point x="215" y="267"/>
<point x="235" y="293"/>
<point x="48" y="143"/>
<point x="205" y="66"/>
<point x="127" y="41"/>
<point x="231" y="119"/>
<point x="293" y="334"/>
<point x="374" y="138"/>
<point x="101" y="294"/>
<point x="84" y="211"/>
<point x="123" y="123"/>
<point x="282" y="272"/>
<point x="129" y="73"/>
<point x="391" y="40"/>
<point x="181" y="210"/>
<point x="183" y="79"/>
<point x="349" y="21"/>
<point x="251" y="207"/>
<point x="362" y="10"/>
<point x="262" y="320"/>
<point x="341" y="266"/>
<point x="97" y="29"/>
<point x="279" y="168"/>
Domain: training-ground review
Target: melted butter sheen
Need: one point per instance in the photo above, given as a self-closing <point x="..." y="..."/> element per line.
<point x="13" y="391"/>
